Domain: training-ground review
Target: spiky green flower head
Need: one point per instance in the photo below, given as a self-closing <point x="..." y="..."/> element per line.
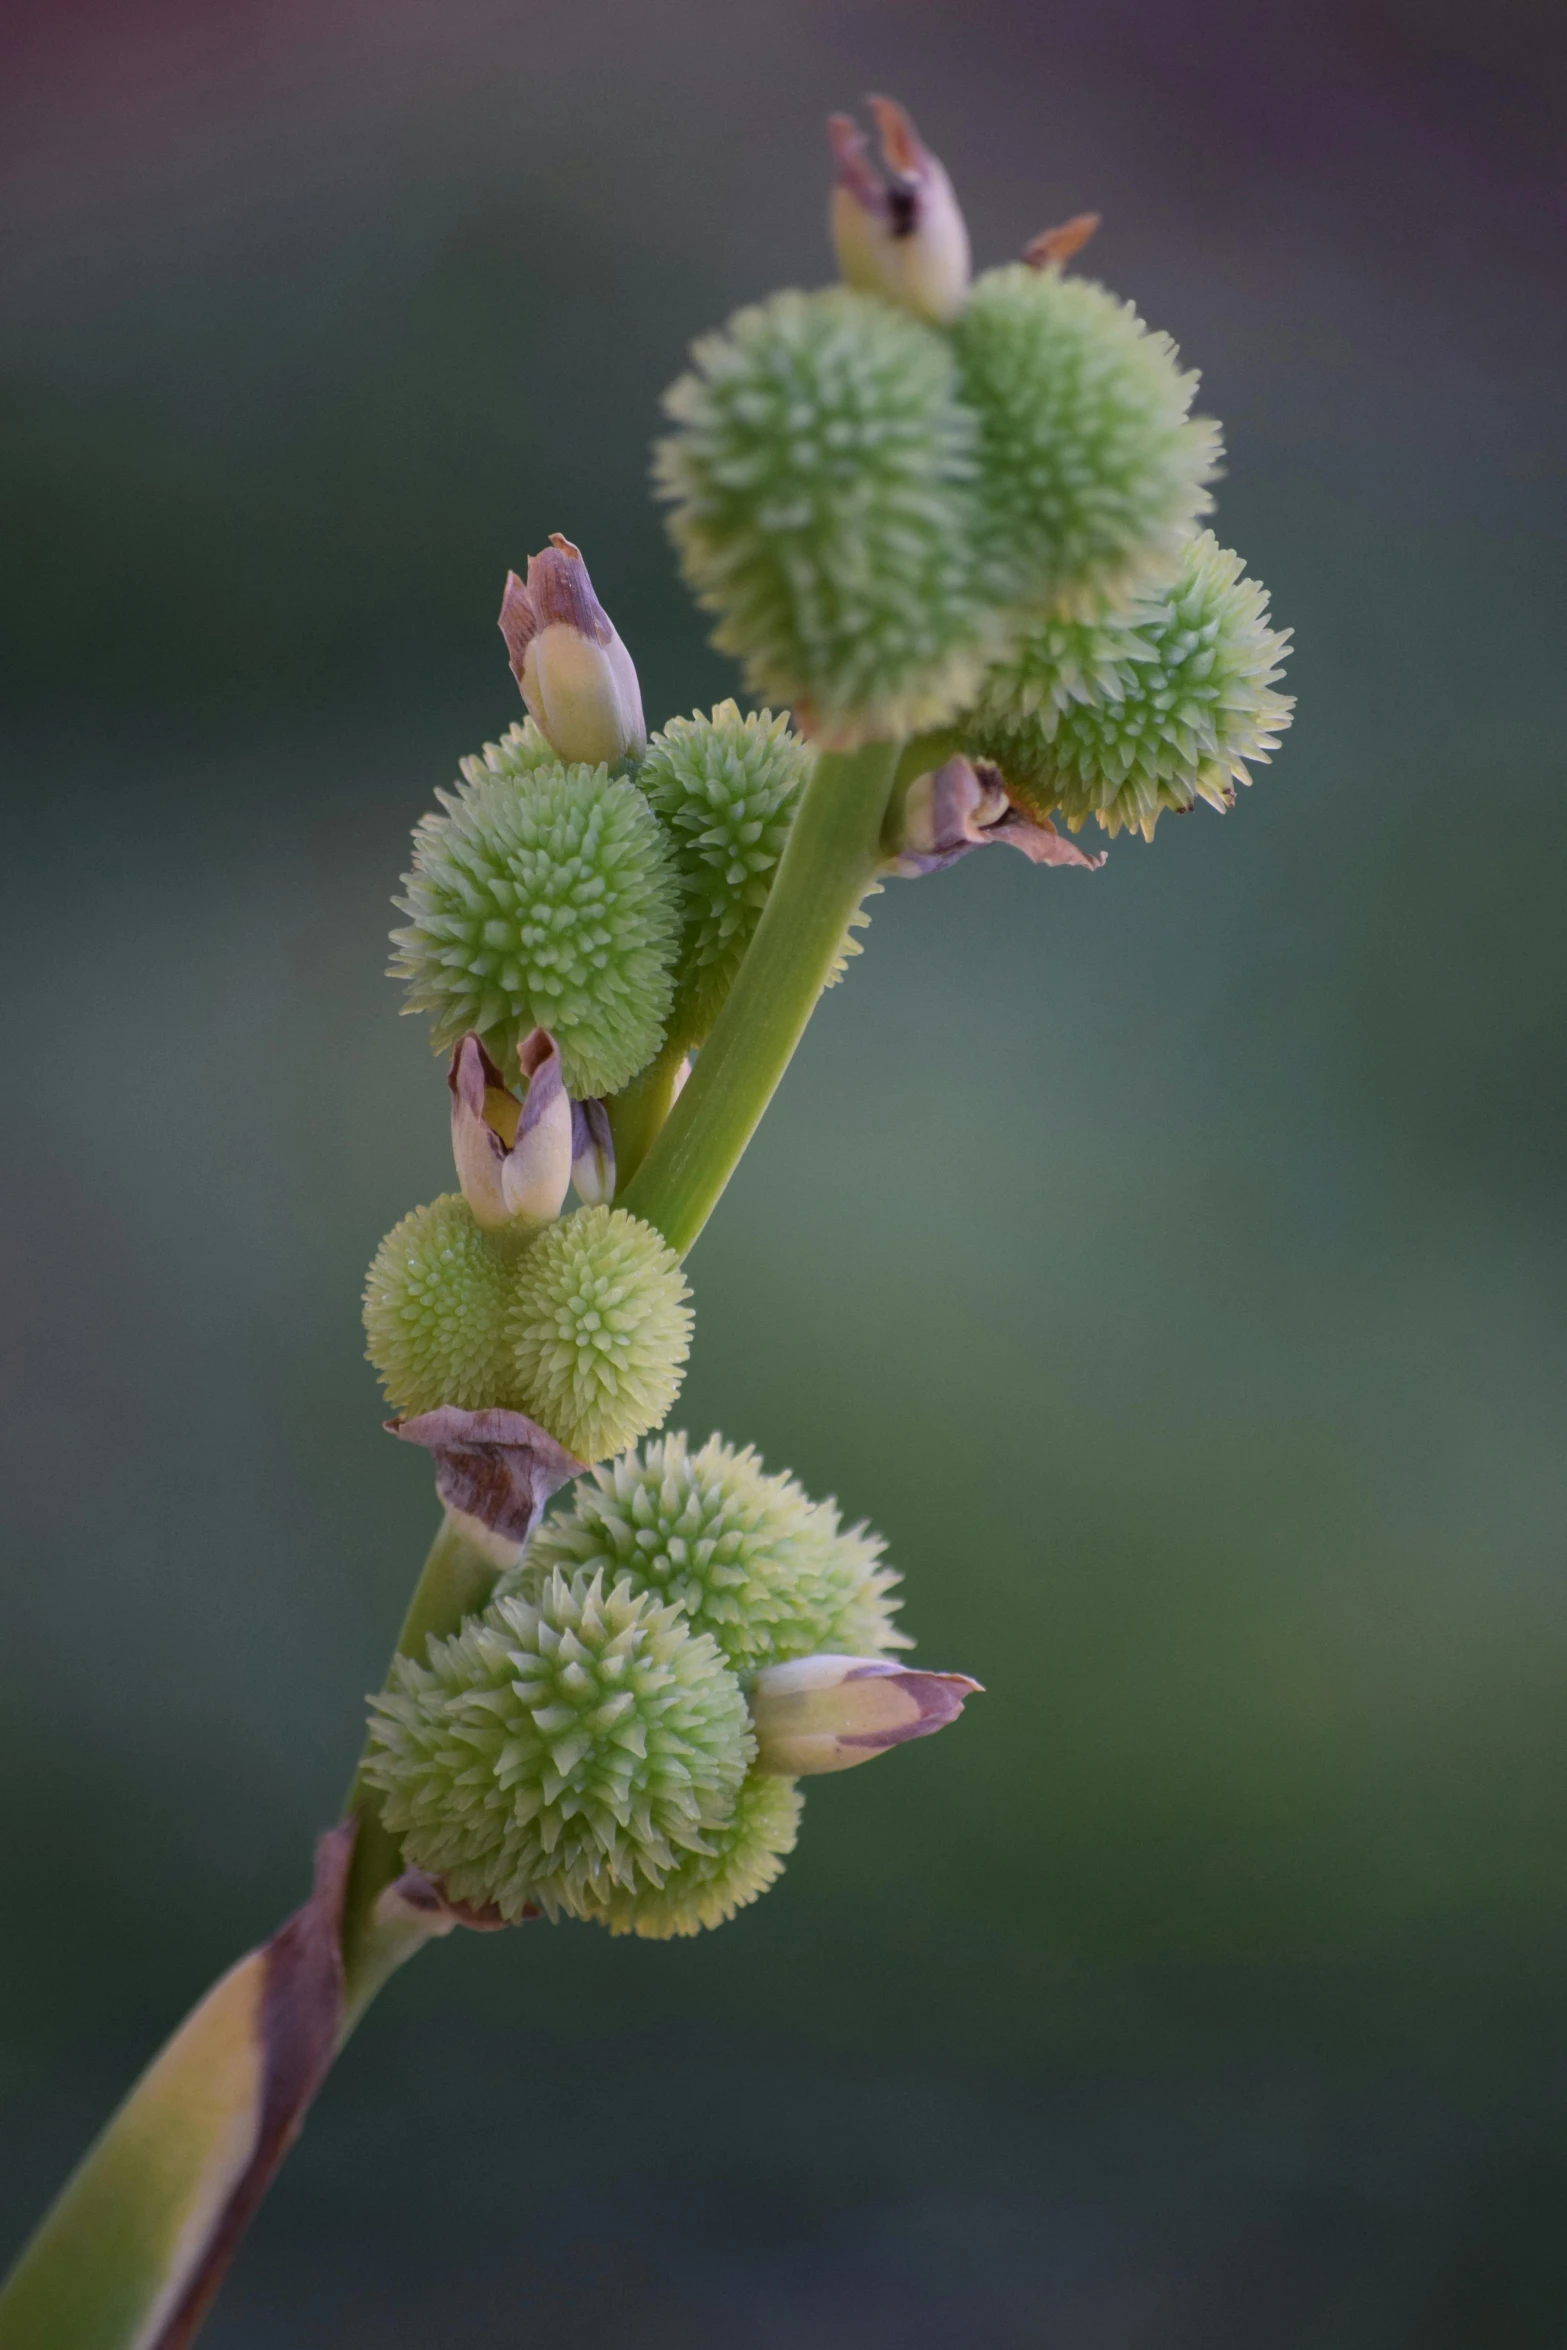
<point x="563" y="1752"/>
<point x="706" y="1888"/>
<point x="1092" y="472"/>
<point x="747" y="1555"/>
<point x="544" y="897"/>
<point x="599" y="1330"/>
<point x="1155" y="709"/>
<point x="726" y="786"/>
<point x="821" y="481"/>
<point x="438" y="1306"/>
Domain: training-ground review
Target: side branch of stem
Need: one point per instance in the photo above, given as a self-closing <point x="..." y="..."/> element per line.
<point x="831" y="858"/>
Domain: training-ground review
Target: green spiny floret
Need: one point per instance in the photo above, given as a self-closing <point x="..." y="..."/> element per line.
<point x="705" y="1889"/>
<point x="726" y="786"/>
<point x="561" y="1753"/>
<point x="1091" y="471"/>
<point x="599" y="1330"/>
<point x="747" y="1555"/>
<point x="1155" y="709"/>
<point x="522" y="750"/>
<point x="438" y="1302"/>
<point x="544" y="897"/>
<point x="821" y="477"/>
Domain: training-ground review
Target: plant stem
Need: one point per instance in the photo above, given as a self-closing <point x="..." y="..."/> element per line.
<point x="636" y="1116"/>
<point x="457" y="1578"/>
<point x="831" y="858"/>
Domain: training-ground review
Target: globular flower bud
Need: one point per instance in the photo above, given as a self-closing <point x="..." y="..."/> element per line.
<point x="1091" y="471"/>
<point x="438" y="1304"/>
<point x="747" y="1555"/>
<point x="576" y="676"/>
<point x="592" y="1154"/>
<point x="1156" y="708"/>
<point x="820" y="479"/>
<point x="599" y="1330"/>
<point x="726" y="786"/>
<point x="828" y="1713"/>
<point x="706" y="1888"/>
<point x="544" y="897"/>
<point x="901" y="236"/>
<point x="561" y="1753"/>
<point x="513" y="1158"/>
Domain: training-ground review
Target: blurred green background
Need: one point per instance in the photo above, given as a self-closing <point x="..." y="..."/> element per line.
<point x="1170" y="1261"/>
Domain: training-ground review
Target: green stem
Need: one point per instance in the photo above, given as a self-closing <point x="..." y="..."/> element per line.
<point x="137" y="2242"/>
<point x="636" y="1116"/>
<point x="831" y="858"/>
<point x="458" y="1578"/>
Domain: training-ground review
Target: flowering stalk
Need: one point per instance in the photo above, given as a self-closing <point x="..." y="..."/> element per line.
<point x="951" y="521"/>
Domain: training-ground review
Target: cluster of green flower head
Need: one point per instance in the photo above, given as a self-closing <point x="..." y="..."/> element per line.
<point x="584" y="1326"/>
<point x="611" y="909"/>
<point x="869" y="501"/>
<point x="912" y="513"/>
<point x="915" y="505"/>
<point x="583" y="1746"/>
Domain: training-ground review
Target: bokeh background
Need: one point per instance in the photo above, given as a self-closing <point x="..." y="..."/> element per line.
<point x="1171" y="1262"/>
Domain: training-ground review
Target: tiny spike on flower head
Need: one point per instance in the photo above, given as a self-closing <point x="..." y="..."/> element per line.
<point x="1091" y="471"/>
<point x="599" y="1330"/>
<point x="576" y="676"/>
<point x="828" y="1713"/>
<point x="543" y="897"/>
<point x="562" y="1752"/>
<point x="901" y="236"/>
<point x="522" y="750"/>
<point x="726" y="786"/>
<point x="819" y="478"/>
<point x="748" y="1556"/>
<point x="1156" y="708"/>
<point x="513" y="1158"/>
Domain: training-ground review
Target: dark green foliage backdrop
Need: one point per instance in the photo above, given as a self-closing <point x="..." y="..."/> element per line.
<point x="1170" y="1261"/>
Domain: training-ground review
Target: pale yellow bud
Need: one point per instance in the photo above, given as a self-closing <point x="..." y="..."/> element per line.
<point x="827" y="1713"/>
<point x="901" y="236"/>
<point x="576" y="676"/>
<point x="513" y="1158"/>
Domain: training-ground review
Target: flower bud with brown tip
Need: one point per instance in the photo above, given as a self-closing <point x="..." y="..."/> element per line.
<point x="577" y="678"/>
<point x="902" y="235"/>
<point x="514" y="1158"/>
<point x="827" y="1713"/>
